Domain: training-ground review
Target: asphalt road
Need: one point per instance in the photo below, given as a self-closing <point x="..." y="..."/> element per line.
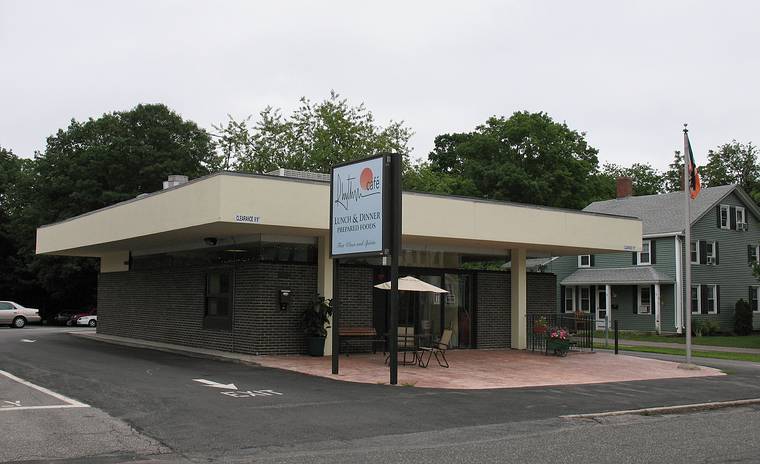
<point x="279" y="416"/>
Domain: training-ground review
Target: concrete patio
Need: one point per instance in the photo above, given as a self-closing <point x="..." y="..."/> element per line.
<point x="484" y="369"/>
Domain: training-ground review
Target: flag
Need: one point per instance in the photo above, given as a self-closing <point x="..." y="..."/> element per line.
<point x="695" y="184"/>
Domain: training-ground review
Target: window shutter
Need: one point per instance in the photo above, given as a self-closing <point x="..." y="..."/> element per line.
<point x="635" y="299"/>
<point x="591" y="260"/>
<point x="717" y="208"/>
<point x="703" y="294"/>
<point x="717" y="253"/>
<point x="702" y="252"/>
<point x="653" y="252"/>
<point x="750" y="250"/>
<point x="562" y="298"/>
<point x="635" y="260"/>
<point x="717" y="298"/>
<point x="751" y="305"/>
<point x="652" y="303"/>
<point x="592" y="298"/>
<point x="732" y="217"/>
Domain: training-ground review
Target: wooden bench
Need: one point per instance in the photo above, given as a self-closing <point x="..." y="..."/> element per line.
<point x="359" y="334"/>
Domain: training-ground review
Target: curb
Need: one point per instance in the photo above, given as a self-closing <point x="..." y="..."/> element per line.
<point x="203" y="354"/>
<point x="662" y="410"/>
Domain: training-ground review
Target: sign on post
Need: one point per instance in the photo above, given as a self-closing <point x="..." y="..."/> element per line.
<point x="358" y="223"/>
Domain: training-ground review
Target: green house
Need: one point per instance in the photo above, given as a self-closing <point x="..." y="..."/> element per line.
<point x="645" y="291"/>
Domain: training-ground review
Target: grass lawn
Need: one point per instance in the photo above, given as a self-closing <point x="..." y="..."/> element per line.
<point x="696" y="354"/>
<point x="748" y="341"/>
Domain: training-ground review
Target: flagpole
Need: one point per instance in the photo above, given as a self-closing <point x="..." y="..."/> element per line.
<point x="687" y="241"/>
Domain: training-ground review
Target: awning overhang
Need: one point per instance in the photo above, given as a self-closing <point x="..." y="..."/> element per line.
<point x="639" y="275"/>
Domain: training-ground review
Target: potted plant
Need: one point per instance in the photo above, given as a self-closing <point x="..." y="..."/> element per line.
<point x="315" y="320"/>
<point x="558" y="341"/>
<point x="539" y="325"/>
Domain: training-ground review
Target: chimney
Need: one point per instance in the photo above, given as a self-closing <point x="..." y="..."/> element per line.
<point x="624" y="187"/>
<point x="174" y="181"/>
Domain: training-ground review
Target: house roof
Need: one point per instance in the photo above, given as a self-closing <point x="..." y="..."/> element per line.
<point x="663" y="213"/>
<point x="617" y="276"/>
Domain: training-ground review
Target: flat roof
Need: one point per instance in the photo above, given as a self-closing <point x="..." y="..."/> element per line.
<point x="209" y="206"/>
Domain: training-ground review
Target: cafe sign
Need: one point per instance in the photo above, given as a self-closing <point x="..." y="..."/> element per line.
<point x="358" y="203"/>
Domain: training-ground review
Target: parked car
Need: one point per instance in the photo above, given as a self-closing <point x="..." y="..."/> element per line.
<point x="64" y="317"/>
<point x="75" y="317"/>
<point x="90" y="320"/>
<point x="17" y="316"/>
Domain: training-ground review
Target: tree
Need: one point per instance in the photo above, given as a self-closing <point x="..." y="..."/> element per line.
<point x="527" y="157"/>
<point x="90" y="165"/>
<point x="673" y="177"/>
<point x="733" y="163"/>
<point x="646" y="179"/>
<point x="313" y="138"/>
<point x="116" y="157"/>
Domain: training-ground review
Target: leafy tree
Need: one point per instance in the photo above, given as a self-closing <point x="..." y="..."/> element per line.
<point x="733" y="163"/>
<point x="742" y="318"/>
<point x="673" y="177"/>
<point x="116" y="157"/>
<point x="313" y="138"/>
<point x="646" y="179"/>
<point x="527" y="157"/>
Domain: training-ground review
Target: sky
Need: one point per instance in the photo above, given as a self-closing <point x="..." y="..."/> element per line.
<point x="628" y="74"/>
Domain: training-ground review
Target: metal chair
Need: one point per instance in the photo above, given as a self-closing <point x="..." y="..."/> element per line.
<point x="438" y="349"/>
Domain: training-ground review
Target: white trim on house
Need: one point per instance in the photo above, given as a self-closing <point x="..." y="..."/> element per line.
<point x="727" y="209"/>
<point x="756" y="309"/>
<point x="580" y="261"/>
<point x="580" y="298"/>
<point x="741" y="225"/>
<point x="698" y="299"/>
<point x="648" y="245"/>
<point x="710" y="252"/>
<point x="714" y="308"/>
<point x="695" y="252"/>
<point x="642" y="304"/>
<point x="569" y="296"/>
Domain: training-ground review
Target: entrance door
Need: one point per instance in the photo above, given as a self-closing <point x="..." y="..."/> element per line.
<point x="458" y="309"/>
<point x="601" y="306"/>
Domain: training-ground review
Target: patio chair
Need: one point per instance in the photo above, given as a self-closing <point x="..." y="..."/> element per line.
<point x="438" y="350"/>
<point x="406" y="343"/>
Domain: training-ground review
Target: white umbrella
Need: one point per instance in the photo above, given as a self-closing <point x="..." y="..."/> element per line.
<point x="411" y="284"/>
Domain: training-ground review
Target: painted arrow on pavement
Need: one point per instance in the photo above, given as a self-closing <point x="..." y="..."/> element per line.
<point x="26" y="340"/>
<point x="211" y="383"/>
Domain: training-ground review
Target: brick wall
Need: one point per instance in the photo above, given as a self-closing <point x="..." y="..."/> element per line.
<point x="167" y="305"/>
<point x="494" y="312"/>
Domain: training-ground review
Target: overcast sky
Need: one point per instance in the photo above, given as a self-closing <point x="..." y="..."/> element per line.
<point x="628" y="76"/>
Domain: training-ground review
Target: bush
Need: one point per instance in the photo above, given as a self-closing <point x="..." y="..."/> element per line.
<point x="697" y="327"/>
<point x="742" y="318"/>
<point x="711" y="327"/>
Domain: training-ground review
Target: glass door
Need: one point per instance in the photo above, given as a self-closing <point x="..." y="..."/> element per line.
<point x="457" y="313"/>
<point x="601" y="306"/>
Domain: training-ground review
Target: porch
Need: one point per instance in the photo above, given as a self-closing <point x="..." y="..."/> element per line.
<point x="485" y="369"/>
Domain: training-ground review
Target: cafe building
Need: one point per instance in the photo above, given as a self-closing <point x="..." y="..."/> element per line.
<point x="230" y="262"/>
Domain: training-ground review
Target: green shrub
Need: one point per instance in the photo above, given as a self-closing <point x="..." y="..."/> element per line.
<point x="711" y="327"/>
<point x="697" y="327"/>
<point x="742" y="318"/>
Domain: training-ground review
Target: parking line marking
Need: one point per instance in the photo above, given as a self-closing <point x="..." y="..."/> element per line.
<point x="70" y="403"/>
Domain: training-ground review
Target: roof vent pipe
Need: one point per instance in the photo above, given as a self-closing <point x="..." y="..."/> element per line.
<point x="174" y="181"/>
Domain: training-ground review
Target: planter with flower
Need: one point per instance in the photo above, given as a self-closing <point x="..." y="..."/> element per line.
<point x="315" y="318"/>
<point x="540" y="325"/>
<point x="558" y="341"/>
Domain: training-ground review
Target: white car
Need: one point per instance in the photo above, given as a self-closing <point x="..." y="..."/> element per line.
<point x="91" y="320"/>
<point x="15" y="315"/>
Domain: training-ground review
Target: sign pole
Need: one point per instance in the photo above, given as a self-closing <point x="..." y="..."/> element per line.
<point x="395" y="184"/>
<point x="335" y="303"/>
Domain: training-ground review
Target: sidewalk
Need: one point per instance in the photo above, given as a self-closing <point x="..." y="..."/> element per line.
<point x="682" y="346"/>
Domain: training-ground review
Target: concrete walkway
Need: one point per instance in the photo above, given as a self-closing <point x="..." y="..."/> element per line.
<point x="722" y="349"/>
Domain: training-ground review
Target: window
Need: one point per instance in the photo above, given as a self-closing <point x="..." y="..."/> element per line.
<point x="601" y="298"/>
<point x="695" y="252"/>
<point x="754" y="295"/>
<point x="645" y="299"/>
<point x="696" y="299"/>
<point x="584" y="261"/>
<point x="569" y="299"/>
<point x="712" y="299"/>
<point x="585" y="299"/>
<point x="218" y="314"/>
<point x="6" y="306"/>
<point x="645" y="257"/>
<point x="754" y="253"/>
<point x="712" y="255"/>
<point x="741" y="222"/>
<point x="725" y="222"/>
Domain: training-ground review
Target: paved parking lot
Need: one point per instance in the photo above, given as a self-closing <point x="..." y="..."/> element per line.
<point x="158" y="405"/>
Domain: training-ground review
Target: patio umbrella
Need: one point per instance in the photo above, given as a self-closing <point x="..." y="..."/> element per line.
<point x="411" y="284"/>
